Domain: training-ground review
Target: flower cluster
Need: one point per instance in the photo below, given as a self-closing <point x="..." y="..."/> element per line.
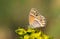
<point x="31" y="34"/>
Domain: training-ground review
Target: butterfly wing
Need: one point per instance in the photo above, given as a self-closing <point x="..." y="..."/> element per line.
<point x="31" y="19"/>
<point x="42" y="21"/>
<point x="36" y="19"/>
<point x="31" y="16"/>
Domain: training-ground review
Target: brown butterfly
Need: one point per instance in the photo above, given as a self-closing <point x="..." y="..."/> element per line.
<point x="36" y="19"/>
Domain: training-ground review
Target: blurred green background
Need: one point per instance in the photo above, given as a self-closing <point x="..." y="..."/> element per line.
<point x="14" y="13"/>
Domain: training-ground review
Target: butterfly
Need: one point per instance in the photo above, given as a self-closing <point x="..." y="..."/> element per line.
<point x="36" y="20"/>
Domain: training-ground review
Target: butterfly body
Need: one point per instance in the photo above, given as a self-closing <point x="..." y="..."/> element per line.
<point x="36" y="19"/>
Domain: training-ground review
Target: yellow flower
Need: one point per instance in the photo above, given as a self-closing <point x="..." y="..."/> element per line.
<point x="31" y="34"/>
<point x="39" y="37"/>
<point x="46" y="37"/>
<point x="20" y="31"/>
<point x="26" y="37"/>
<point x="36" y="34"/>
<point x="32" y="37"/>
<point x="30" y="30"/>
